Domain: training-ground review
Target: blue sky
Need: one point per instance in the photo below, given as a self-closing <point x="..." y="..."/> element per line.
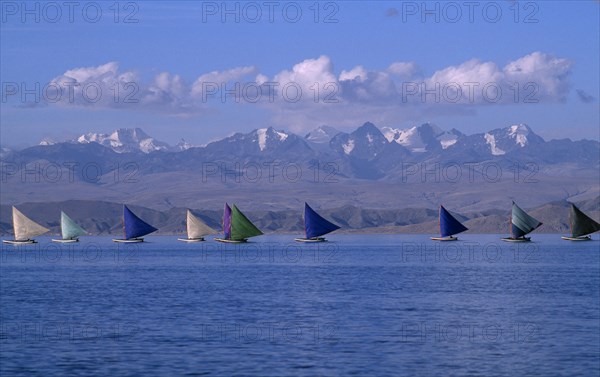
<point x="370" y="64"/>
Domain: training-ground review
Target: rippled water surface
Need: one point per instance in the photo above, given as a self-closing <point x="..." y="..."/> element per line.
<point x="359" y="305"/>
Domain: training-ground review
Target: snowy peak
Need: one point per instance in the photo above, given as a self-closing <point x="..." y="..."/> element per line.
<point x="365" y="142"/>
<point x="519" y="133"/>
<point x="321" y="135"/>
<point x="449" y="138"/>
<point x="125" y="140"/>
<point x="47" y="141"/>
<point x="422" y="138"/>
<point x="268" y="137"/>
<point x="183" y="145"/>
<point x="503" y="140"/>
<point x="262" y="141"/>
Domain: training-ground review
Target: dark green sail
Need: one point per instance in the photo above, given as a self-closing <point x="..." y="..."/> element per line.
<point x="582" y="224"/>
<point x="241" y="227"/>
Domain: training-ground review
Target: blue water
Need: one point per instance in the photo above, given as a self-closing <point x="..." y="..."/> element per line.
<point x="360" y="305"/>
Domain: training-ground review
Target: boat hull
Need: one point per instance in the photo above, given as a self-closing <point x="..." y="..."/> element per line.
<point x="311" y="240"/>
<point x="225" y="240"/>
<point x="582" y="238"/>
<point x="66" y="241"/>
<point x="449" y="238"/>
<point x="521" y="239"/>
<point x="131" y="240"/>
<point x="191" y="239"/>
<point x="16" y="242"/>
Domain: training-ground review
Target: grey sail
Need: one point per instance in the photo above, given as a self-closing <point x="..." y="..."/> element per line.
<point x="582" y="224"/>
<point x="522" y="223"/>
<point x="196" y="228"/>
<point x="25" y="228"/>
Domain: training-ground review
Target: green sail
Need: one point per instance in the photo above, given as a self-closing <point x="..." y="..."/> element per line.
<point x="241" y="227"/>
<point x="69" y="228"/>
<point x="581" y="224"/>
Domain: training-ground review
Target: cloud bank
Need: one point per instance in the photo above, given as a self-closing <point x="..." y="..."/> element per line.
<point x="313" y="92"/>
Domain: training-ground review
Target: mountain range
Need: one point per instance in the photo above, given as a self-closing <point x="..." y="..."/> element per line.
<point x="124" y="140"/>
<point x="367" y="139"/>
<point x="269" y="169"/>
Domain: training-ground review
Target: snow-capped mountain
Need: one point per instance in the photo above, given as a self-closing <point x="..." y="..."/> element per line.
<point x="365" y="149"/>
<point x="125" y="140"/>
<point x="47" y="141"/>
<point x="259" y="142"/>
<point x="365" y="142"/>
<point x="184" y="145"/>
<point x="422" y="138"/>
<point x="321" y="135"/>
<point x="503" y="140"/>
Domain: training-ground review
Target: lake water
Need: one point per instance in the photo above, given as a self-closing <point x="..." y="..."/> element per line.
<point x="376" y="305"/>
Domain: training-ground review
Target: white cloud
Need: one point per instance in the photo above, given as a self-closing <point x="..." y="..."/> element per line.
<point x="222" y="77"/>
<point x="308" y="72"/>
<point x="403" y="69"/>
<point x="105" y="86"/>
<point x="546" y="72"/>
<point x="356" y="73"/>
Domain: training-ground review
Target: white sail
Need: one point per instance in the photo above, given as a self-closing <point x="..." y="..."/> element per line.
<point x="196" y="228"/>
<point x="25" y="228"/>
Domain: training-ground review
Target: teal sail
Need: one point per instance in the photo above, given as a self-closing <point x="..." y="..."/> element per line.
<point x="70" y="229"/>
<point x="521" y="222"/>
<point x="582" y="224"/>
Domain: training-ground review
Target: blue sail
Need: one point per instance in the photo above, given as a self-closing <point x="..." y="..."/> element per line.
<point x="315" y="225"/>
<point x="133" y="226"/>
<point x="449" y="225"/>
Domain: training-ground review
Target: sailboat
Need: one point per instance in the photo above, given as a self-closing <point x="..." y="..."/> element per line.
<point x="134" y="228"/>
<point x="25" y="229"/>
<point x="581" y="226"/>
<point x="315" y="226"/>
<point x="449" y="226"/>
<point x="196" y="229"/>
<point x="236" y="226"/>
<point x="70" y="230"/>
<point x="521" y="225"/>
